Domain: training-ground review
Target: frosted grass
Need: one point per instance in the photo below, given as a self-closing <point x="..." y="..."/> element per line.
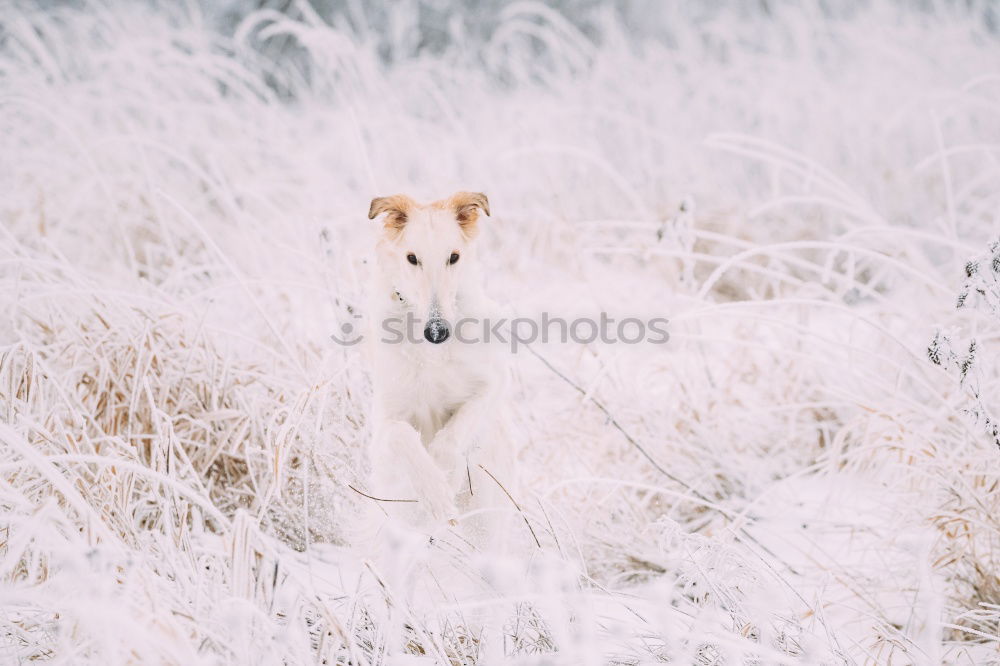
<point x="791" y="480"/>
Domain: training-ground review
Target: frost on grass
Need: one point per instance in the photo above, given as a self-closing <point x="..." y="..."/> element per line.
<point x="807" y="473"/>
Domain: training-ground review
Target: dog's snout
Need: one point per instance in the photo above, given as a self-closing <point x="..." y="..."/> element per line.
<point x="436" y="331"/>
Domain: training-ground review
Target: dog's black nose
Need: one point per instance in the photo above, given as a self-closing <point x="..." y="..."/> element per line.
<point x="436" y="331"/>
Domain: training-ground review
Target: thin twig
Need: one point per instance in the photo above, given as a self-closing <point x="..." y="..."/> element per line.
<point x="614" y="422"/>
<point x="631" y="440"/>
<point x="516" y="505"/>
<point x="379" y="499"/>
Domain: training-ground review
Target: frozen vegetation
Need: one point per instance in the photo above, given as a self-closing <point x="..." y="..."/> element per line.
<point x="808" y="473"/>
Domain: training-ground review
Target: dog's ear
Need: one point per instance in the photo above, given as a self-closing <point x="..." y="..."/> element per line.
<point x="397" y="207"/>
<point x="467" y="206"/>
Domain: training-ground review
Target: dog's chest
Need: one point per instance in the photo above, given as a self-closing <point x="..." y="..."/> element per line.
<point x="427" y="385"/>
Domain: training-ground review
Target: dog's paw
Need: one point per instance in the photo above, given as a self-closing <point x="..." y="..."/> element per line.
<point x="436" y="496"/>
<point x="442" y="509"/>
<point x="450" y="451"/>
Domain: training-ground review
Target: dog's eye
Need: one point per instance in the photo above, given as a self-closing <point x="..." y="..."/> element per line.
<point x="412" y="258"/>
<point x="453" y="258"/>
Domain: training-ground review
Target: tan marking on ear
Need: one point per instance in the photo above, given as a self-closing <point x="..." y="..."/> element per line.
<point x="467" y="206"/>
<point x="397" y="208"/>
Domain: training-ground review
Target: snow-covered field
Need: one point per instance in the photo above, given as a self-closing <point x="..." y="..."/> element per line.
<point x="806" y="474"/>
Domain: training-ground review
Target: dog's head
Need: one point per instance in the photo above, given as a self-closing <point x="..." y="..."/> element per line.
<point x="427" y="250"/>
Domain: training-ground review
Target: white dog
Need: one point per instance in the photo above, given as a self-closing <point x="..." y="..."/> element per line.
<point x="441" y="439"/>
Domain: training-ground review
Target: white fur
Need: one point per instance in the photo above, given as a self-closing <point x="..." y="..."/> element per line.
<point x="440" y="410"/>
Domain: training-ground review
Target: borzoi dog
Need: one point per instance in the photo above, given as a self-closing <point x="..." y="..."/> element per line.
<point x="441" y="450"/>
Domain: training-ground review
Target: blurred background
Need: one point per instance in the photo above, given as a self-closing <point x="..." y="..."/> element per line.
<point x="808" y="473"/>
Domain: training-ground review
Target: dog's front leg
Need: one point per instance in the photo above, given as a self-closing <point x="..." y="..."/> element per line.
<point x="474" y="450"/>
<point x="452" y="444"/>
<point x="401" y="465"/>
